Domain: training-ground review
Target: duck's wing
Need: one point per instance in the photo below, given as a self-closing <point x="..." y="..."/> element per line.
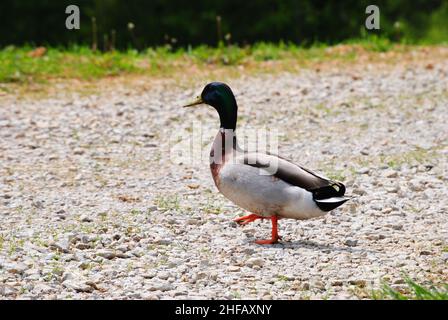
<point x="323" y="189"/>
<point x="287" y="171"/>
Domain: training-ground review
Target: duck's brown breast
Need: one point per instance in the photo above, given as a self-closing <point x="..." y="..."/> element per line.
<point x="222" y="150"/>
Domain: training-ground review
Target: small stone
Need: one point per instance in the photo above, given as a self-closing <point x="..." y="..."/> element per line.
<point x="77" y="286"/>
<point x="399" y="281"/>
<point x="319" y="285"/>
<point x="341" y="296"/>
<point x="85" y="218"/>
<point x="30" y="272"/>
<point x="53" y="157"/>
<point x="425" y="253"/>
<point x="122" y="255"/>
<point x="358" y="282"/>
<point x="364" y="152"/>
<point x="386" y="210"/>
<point x="151" y="209"/>
<point x="107" y="254"/>
<point x="351" y="243"/>
<point x="78" y="152"/>
<point x="62" y="245"/>
<point x="445" y="257"/>
<point x="150" y="296"/>
<point x="83" y="265"/>
<point x="149" y="275"/>
<point x="6" y="291"/>
<point x="415" y="185"/>
<point x="201" y="276"/>
<point x="134" y="295"/>
<point x="390" y="174"/>
<point x="16" y="268"/>
<point x="41" y="288"/>
<point x="193" y="221"/>
<point x="175" y="262"/>
<point x="363" y="171"/>
<point x="67" y="276"/>
<point x="305" y="286"/>
<point x="337" y="283"/>
<point x="123" y="248"/>
<point x="83" y="246"/>
<point x="233" y="269"/>
<point x="38" y="204"/>
<point x="164" y="242"/>
<point x="163" y="275"/>
<point x="161" y="287"/>
<point x="116" y="237"/>
<point x="359" y="191"/>
<point x="255" y="262"/>
<point x="393" y="189"/>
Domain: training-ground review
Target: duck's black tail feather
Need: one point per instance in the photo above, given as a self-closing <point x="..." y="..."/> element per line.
<point x="331" y="203"/>
<point x="330" y="197"/>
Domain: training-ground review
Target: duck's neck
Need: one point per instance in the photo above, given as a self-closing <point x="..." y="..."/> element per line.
<point x="225" y="142"/>
<point x="228" y="111"/>
<point x="228" y="119"/>
<point x="224" y="145"/>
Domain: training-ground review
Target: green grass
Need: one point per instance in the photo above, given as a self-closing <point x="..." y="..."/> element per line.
<point x="211" y="207"/>
<point x="413" y="291"/>
<point x="281" y="277"/>
<point x="373" y="43"/>
<point x="168" y="203"/>
<point x="17" y="65"/>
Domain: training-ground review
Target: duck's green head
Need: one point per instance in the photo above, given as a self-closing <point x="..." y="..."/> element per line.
<point x="219" y="96"/>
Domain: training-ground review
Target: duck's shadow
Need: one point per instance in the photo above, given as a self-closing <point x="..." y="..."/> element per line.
<point x="326" y="248"/>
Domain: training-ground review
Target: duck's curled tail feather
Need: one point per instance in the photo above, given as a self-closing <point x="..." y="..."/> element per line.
<point x="330" y="197"/>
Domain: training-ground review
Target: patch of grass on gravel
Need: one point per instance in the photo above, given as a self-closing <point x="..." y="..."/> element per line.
<point x="168" y="203"/>
<point x="211" y="207"/>
<point x="413" y="291"/>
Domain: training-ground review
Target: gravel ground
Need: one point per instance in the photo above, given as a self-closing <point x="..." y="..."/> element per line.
<point x="92" y="207"/>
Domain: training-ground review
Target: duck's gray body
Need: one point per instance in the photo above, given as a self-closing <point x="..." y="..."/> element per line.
<point x="259" y="192"/>
<point x="268" y="185"/>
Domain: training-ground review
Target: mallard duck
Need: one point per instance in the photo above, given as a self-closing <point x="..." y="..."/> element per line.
<point x="266" y="185"/>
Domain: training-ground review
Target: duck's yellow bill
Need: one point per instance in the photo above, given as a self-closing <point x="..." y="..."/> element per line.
<point x="195" y="103"/>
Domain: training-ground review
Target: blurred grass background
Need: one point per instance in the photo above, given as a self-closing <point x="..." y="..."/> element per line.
<point x="182" y="23"/>
<point x="156" y="37"/>
<point x="26" y="63"/>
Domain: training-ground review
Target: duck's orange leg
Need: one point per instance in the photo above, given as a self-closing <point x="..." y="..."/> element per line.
<point x="248" y="219"/>
<point x="275" y="237"/>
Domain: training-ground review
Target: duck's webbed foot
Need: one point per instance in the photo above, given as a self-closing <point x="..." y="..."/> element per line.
<point x="268" y="241"/>
<point x="248" y="219"/>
